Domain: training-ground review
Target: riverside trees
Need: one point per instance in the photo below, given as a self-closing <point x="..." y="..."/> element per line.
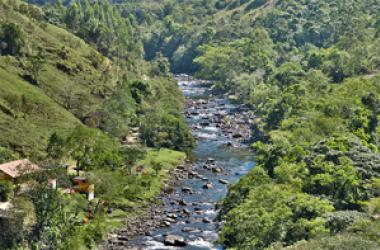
<point x="307" y="69"/>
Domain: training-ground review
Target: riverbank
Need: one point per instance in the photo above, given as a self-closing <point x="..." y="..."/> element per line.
<point x="148" y="217"/>
<point x="133" y="199"/>
<point x="184" y="214"/>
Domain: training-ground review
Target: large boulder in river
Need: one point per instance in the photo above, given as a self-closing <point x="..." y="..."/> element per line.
<point x="175" y="240"/>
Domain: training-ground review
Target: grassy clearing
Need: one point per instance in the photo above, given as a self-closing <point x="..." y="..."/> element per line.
<point x="126" y="192"/>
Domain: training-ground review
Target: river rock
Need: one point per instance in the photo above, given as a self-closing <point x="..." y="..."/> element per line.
<point x="182" y="203"/>
<point x="170" y="220"/>
<point x="210" y="160"/>
<point x="181" y="167"/>
<point x="175" y="240"/>
<point x="187" y="190"/>
<point x="237" y="135"/>
<point x="206" y="220"/>
<point x="207" y="186"/>
<point x="172" y="216"/>
<point x="192" y="174"/>
<point x="122" y="238"/>
<point x="166" y="224"/>
<point x="189" y="229"/>
<point x="207" y="167"/>
<point x="222" y="181"/>
<point x="120" y="243"/>
<point x="216" y="169"/>
<point x="186" y="211"/>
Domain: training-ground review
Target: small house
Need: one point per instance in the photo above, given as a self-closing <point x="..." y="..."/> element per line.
<point x="15" y="169"/>
<point x="81" y="184"/>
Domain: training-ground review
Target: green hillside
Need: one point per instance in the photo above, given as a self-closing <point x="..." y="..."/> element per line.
<point x="57" y="81"/>
<point x="69" y="98"/>
<point x="35" y="110"/>
<point x="29" y="116"/>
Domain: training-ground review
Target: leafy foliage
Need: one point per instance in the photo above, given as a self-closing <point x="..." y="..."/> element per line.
<point x="6" y="189"/>
<point x="279" y="214"/>
<point x="13" y="39"/>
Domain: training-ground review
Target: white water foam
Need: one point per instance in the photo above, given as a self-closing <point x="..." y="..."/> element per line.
<point x="212" y="129"/>
<point x="156" y="245"/>
<point x="202" y="244"/>
<point x="205" y="135"/>
<point x="210" y="212"/>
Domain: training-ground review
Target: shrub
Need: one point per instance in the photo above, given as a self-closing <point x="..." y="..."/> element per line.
<point x="340" y="220"/>
<point x="7" y="155"/>
<point x="12" y="39"/>
<point x="6" y="188"/>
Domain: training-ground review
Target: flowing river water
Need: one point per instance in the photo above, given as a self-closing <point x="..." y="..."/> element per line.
<point x="222" y="157"/>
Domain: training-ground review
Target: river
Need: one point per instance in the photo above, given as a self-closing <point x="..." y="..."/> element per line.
<point x="222" y="157"/>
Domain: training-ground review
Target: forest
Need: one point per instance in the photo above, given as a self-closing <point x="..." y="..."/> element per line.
<point x="309" y="71"/>
<point x="78" y="76"/>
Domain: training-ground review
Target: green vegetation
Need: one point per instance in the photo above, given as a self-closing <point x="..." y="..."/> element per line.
<point x="74" y="85"/>
<point x="309" y="71"/>
<point x="65" y="220"/>
<point x="13" y="39"/>
<point x="52" y="81"/>
<point x="6" y="189"/>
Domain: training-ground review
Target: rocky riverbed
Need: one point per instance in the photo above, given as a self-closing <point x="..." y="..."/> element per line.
<point x="184" y="214"/>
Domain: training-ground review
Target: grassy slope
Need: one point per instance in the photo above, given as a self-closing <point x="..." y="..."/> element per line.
<point x="32" y="123"/>
<point x="29" y="129"/>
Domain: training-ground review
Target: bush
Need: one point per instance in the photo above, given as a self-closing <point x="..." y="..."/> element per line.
<point x="255" y="4"/>
<point x="12" y="39"/>
<point x="340" y="220"/>
<point x="7" y="155"/>
<point x="6" y="188"/>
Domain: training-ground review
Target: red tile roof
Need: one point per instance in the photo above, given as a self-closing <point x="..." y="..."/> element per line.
<point x="17" y="168"/>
